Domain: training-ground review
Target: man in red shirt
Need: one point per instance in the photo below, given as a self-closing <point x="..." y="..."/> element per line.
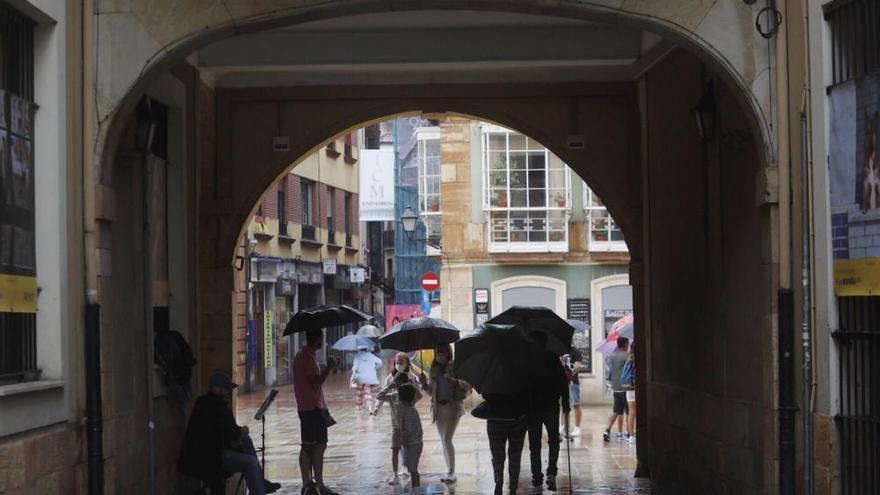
<point x="308" y="380"/>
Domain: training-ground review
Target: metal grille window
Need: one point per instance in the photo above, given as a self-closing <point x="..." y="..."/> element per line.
<point x="855" y="38"/>
<point x="858" y="341"/>
<point x="526" y="193"/>
<point x="18" y="287"/>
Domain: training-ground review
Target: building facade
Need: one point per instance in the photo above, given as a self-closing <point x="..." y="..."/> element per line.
<point x="519" y="228"/>
<point x="303" y="249"/>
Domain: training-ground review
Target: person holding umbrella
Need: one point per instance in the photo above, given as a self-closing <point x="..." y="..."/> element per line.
<point x="506" y="426"/>
<point x="308" y="381"/>
<point x="364" y="376"/>
<point x="447" y="402"/>
<point x="546" y="396"/>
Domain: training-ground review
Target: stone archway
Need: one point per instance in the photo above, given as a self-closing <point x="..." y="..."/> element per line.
<point x="226" y="197"/>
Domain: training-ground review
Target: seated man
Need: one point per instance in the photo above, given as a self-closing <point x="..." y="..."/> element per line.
<point x="215" y="445"/>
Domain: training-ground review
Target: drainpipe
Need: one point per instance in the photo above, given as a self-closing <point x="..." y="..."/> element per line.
<point x="146" y="232"/>
<point x="92" y="330"/>
<point x="787" y="405"/>
<point x="806" y="307"/>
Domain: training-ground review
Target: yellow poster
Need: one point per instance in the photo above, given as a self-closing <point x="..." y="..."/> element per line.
<point x="268" y="341"/>
<point x="859" y="277"/>
<point x="18" y="294"/>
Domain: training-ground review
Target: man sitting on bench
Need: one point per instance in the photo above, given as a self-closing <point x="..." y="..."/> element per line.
<point x="215" y="446"/>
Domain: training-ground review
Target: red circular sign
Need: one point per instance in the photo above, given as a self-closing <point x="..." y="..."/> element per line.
<point x="430" y="281"/>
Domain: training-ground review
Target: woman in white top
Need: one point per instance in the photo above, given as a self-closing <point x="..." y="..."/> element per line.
<point x="364" y="377"/>
<point x="447" y="402"/>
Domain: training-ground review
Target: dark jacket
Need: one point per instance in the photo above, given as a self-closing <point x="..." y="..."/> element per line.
<point x="552" y="387"/>
<point x="211" y="429"/>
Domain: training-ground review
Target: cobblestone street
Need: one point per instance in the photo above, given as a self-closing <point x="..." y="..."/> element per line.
<point x="358" y="459"/>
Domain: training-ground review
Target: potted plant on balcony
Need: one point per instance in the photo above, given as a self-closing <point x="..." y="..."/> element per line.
<point x="499" y="199"/>
<point x="559" y="199"/>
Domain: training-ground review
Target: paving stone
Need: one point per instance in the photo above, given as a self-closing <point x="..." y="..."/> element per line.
<point x="358" y="455"/>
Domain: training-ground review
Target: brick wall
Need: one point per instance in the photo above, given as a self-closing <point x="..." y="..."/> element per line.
<point x="270" y="202"/>
<point x="294" y="201"/>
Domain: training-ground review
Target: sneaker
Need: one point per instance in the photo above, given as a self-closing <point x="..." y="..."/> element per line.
<point x="394" y="480"/>
<point x="620" y="434"/>
<point x="631" y="439"/>
<point x="271" y="487"/>
<point x="537" y="482"/>
<point x="551" y="482"/>
<point x="450" y="478"/>
<point x="576" y="432"/>
<point x="606" y="436"/>
<point x="309" y="489"/>
<point x="326" y="490"/>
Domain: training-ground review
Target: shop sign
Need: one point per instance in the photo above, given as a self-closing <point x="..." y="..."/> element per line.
<point x="358" y="275"/>
<point x="581" y="310"/>
<point x="376" y="185"/>
<point x="329" y="265"/>
<point x="268" y="340"/>
<point x="18" y="294"/>
<point x="285" y="286"/>
<point x="481" y="306"/>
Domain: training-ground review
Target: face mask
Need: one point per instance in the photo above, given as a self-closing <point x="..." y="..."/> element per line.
<point x="400" y="367"/>
<point x="441" y="358"/>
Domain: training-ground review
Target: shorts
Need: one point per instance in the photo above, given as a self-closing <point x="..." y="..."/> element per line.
<point x="630" y="395"/>
<point x="620" y="405"/>
<point x="411" y="453"/>
<point x="313" y="427"/>
<point x="574" y="394"/>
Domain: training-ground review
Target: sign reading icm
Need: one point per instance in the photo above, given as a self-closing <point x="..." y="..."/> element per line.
<point x="377" y="185"/>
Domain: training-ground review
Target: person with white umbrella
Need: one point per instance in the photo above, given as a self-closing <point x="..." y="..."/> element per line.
<point x="364" y="377"/>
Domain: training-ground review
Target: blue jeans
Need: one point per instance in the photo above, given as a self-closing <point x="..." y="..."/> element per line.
<point x="246" y="463"/>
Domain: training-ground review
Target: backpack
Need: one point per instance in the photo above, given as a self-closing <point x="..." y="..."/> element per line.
<point x="628" y="375"/>
<point x="175" y="359"/>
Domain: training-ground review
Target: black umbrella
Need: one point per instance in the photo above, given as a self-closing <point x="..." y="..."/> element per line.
<point x="540" y="319"/>
<point x="419" y="333"/>
<point x="322" y="317"/>
<point x="498" y="359"/>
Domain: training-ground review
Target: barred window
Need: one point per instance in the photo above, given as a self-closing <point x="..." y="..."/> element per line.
<point x="603" y="233"/>
<point x="428" y="154"/>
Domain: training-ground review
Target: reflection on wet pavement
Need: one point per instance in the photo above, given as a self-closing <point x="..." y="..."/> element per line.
<point x="358" y="458"/>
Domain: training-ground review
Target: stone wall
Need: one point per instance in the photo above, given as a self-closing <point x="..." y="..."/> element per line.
<point x="711" y="418"/>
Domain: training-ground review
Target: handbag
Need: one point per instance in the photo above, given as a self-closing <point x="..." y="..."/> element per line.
<point x="328" y="420"/>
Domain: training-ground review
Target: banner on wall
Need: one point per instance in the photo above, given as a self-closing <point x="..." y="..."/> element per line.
<point x="268" y="340"/>
<point x="376" y="185"/>
<point x="398" y="313"/>
<point x="854" y="173"/>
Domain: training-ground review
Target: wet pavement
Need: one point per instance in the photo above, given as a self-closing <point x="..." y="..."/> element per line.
<point x="358" y="459"/>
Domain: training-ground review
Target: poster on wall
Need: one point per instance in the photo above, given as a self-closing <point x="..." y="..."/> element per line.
<point x="854" y="173"/>
<point x="580" y="309"/>
<point x="398" y="313"/>
<point x="376" y="199"/>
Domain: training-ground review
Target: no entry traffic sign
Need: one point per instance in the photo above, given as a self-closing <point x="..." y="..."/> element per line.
<point x="430" y="281"/>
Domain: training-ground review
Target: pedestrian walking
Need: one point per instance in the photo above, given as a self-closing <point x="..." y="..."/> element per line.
<point x="314" y="418"/>
<point x="506" y="427"/>
<point x="620" y="408"/>
<point x="401" y="375"/>
<point x="410" y="425"/>
<point x="364" y="376"/>
<point x="629" y="382"/>
<point x="215" y="445"/>
<point x="546" y="397"/>
<point x="573" y="364"/>
<point x="447" y="403"/>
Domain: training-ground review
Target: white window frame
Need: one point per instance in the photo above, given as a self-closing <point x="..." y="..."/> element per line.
<point x="423" y="135"/>
<point x="608" y="245"/>
<point x="522" y="246"/>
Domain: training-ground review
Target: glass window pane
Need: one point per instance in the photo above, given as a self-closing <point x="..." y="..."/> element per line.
<point x="518" y="142"/>
<point x="537" y="161"/>
<point x="497" y="160"/>
<point x="518" y="179"/>
<point x="537" y="198"/>
<point x="557" y="236"/>
<point x="538" y="236"/>
<point x="557" y="198"/>
<point x="497" y="141"/>
<point x="518" y="198"/>
<point x="498" y="198"/>
<point x="537" y="179"/>
<point x="616" y="235"/>
<point x="517" y="161"/>
<point x="556" y="178"/>
<point x="535" y="145"/>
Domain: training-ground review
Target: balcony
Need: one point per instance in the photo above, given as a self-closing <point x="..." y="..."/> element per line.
<point x="331" y="241"/>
